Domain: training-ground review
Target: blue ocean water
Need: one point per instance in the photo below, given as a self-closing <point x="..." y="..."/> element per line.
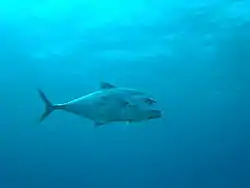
<point x="192" y="56"/>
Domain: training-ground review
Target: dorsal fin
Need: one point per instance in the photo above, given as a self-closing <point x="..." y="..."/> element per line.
<point x="98" y="124"/>
<point x="105" y="85"/>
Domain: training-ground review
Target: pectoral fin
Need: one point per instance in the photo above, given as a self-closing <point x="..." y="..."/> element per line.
<point x="125" y="103"/>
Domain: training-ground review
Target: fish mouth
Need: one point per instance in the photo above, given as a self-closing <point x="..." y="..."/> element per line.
<point x="155" y="114"/>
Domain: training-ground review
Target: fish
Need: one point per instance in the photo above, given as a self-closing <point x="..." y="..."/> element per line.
<point x="107" y="105"/>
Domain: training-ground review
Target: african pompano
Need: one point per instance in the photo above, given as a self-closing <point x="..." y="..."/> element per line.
<point x="108" y="104"/>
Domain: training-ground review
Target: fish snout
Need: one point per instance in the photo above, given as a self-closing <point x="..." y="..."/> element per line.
<point x="153" y="114"/>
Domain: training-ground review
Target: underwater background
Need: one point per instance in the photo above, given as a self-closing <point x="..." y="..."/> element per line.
<point x="192" y="56"/>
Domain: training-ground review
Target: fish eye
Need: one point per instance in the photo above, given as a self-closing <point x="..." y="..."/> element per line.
<point x="149" y="101"/>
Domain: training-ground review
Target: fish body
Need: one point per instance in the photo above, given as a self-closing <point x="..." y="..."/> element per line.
<point x="107" y="105"/>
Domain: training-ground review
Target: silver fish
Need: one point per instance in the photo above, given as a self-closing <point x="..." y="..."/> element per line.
<point x="108" y="104"/>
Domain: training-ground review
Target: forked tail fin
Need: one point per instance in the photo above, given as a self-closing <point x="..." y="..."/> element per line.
<point x="49" y="107"/>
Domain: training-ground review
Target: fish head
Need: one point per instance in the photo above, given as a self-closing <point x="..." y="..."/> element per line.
<point x="142" y="108"/>
<point x="143" y="114"/>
